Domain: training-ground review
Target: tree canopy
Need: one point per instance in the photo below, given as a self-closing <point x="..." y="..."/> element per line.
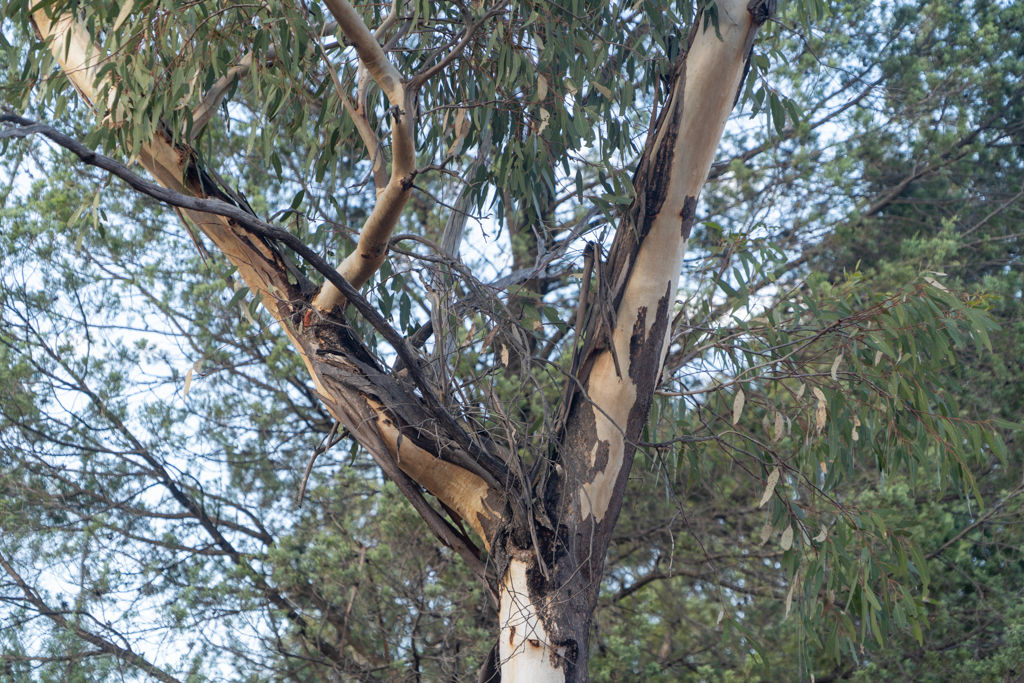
<point x="827" y="485"/>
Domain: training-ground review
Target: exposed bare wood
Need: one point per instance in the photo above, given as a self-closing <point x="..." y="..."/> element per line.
<point x="371" y="250"/>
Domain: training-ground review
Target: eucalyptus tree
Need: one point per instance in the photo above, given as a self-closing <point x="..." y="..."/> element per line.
<point x="521" y="421"/>
<point x="547" y="571"/>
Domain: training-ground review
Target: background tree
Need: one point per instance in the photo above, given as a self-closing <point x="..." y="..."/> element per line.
<point x="140" y="523"/>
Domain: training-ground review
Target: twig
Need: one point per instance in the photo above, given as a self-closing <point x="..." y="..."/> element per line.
<point x="351" y="598"/>
<point x="981" y="520"/>
<point x="309" y="466"/>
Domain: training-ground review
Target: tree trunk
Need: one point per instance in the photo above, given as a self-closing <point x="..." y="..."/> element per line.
<point x="546" y="608"/>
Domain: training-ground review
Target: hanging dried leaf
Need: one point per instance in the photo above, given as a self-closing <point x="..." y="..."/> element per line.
<point x="462" y="127"/>
<point x="779" y="427"/>
<point x="504" y="355"/>
<point x="935" y="283"/>
<point x="821" y="412"/>
<point x="545" y="116"/>
<point x="542" y="87"/>
<point x="188" y="378"/>
<point x="766" y="533"/>
<point x="820" y="538"/>
<point x="835" y="365"/>
<point x="800" y="391"/>
<point x="721" y="615"/>
<point x="248" y="315"/>
<point x="789" y="597"/>
<point x="856" y="423"/>
<point x="489" y="337"/>
<point x="737" y="406"/>
<point x="787" y="538"/>
<point x="878" y="357"/>
<point x="769" y="487"/>
<point x="824" y="467"/>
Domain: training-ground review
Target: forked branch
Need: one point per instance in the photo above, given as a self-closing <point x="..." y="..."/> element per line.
<point x="371" y="250"/>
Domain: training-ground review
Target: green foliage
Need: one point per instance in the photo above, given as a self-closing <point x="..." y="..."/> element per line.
<point x="904" y="558"/>
<point x="914" y="177"/>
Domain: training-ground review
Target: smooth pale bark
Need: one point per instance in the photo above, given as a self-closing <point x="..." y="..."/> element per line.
<point x="631" y="313"/>
<point x="358" y="110"/>
<point x="525" y="649"/>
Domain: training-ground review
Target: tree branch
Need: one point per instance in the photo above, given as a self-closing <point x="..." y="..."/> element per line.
<point x="978" y="522"/>
<point x="371" y="250"/>
<point x="27" y="127"/>
<point x="422" y="77"/>
<point x="207" y="107"/>
<point x="371" y="54"/>
<point x="653" y="576"/>
<point x="125" y="655"/>
<point x="642" y="272"/>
